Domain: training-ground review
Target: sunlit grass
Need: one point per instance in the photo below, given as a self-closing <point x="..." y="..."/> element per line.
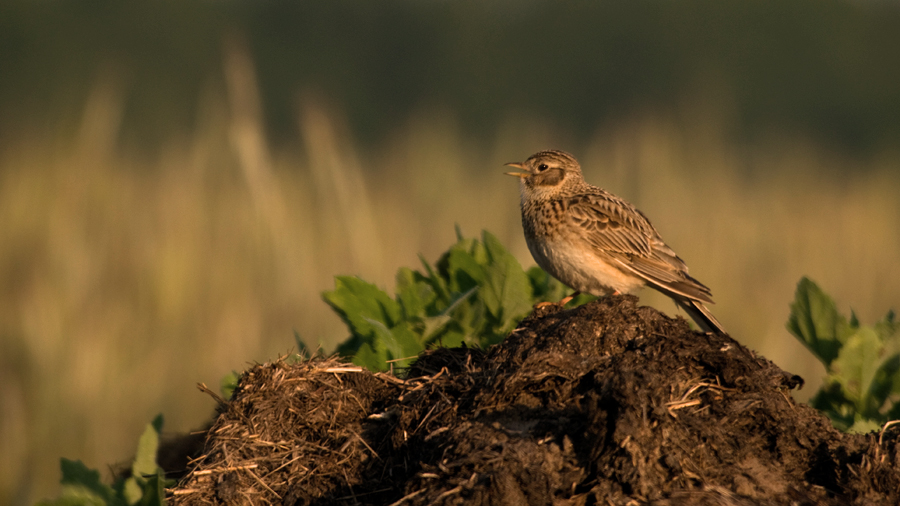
<point x="125" y="281"/>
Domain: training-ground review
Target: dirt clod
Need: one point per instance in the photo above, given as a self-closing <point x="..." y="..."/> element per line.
<point x="607" y="404"/>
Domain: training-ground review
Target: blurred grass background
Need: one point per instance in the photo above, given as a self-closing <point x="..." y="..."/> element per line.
<point x="180" y="180"/>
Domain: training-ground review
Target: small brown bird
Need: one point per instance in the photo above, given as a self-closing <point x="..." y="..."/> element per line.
<point x="596" y="242"/>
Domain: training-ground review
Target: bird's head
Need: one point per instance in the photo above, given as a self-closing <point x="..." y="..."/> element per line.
<point x="547" y="172"/>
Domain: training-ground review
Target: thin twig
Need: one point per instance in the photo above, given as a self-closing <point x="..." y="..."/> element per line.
<point x="455" y="490"/>
<point x="343" y="369"/>
<point x="224" y="469"/>
<point x="205" y="389"/>
<point x="282" y="466"/>
<point x="407" y="497"/>
<point x="255" y="477"/>
<point x="185" y="491"/>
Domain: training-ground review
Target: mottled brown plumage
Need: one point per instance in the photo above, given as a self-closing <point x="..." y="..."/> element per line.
<point x="596" y="242"/>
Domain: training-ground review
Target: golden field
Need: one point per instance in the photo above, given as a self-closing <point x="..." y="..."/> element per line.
<point x="127" y="279"/>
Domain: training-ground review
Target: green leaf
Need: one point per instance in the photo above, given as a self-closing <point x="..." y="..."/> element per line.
<point x="433" y="326"/>
<point x="463" y="271"/>
<point x="133" y="489"/>
<point x="144" y="462"/>
<point x="228" y="384"/>
<point x="816" y="323"/>
<point x="831" y="401"/>
<point x="437" y="282"/>
<point x="155" y="490"/>
<point x="887" y="327"/>
<point x="367" y="357"/>
<point x="414" y="293"/>
<point x="885" y="388"/>
<point x="358" y="302"/>
<point x="450" y="339"/>
<point x="400" y="341"/>
<point x="145" y="459"/>
<point x="436" y="324"/>
<point x="384" y="337"/>
<point x="82" y="487"/>
<point x="544" y="288"/>
<point x="864" y="426"/>
<point x="507" y="289"/>
<point x="351" y="346"/>
<point x="475" y="294"/>
<point x="79" y="481"/>
<point x="855" y="368"/>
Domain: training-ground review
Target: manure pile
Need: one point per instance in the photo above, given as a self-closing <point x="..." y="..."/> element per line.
<point x="607" y="404"/>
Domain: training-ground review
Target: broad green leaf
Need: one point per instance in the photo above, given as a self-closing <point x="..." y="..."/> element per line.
<point x="437" y="282"/>
<point x="144" y="461"/>
<point x="891" y="407"/>
<point x="413" y="293"/>
<point x="384" y="337"/>
<point x="864" y="426"/>
<point x="358" y="302"/>
<point x="862" y="389"/>
<point x="77" y="495"/>
<point x="228" y="384"/>
<point x="460" y="300"/>
<point x="887" y="328"/>
<point x="478" y="250"/>
<point x="544" y="288"/>
<point x="400" y="341"/>
<point x="155" y="490"/>
<point x="433" y="326"/>
<point x="78" y="479"/>
<point x="815" y="321"/>
<point x="450" y="340"/>
<point x="367" y="357"/>
<point x="463" y="270"/>
<point x="133" y="489"/>
<point x="410" y="345"/>
<point x="885" y="388"/>
<point x="856" y="365"/>
<point x="507" y="289"/>
<point x="410" y="342"/>
<point x="74" y="472"/>
<point x="350" y="347"/>
<point x="82" y="487"/>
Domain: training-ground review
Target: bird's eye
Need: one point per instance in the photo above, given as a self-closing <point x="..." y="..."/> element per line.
<point x="542" y="167"/>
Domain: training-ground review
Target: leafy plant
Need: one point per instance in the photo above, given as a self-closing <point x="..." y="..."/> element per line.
<point x="144" y="485"/>
<point x="475" y="294"/>
<point x="862" y="388"/>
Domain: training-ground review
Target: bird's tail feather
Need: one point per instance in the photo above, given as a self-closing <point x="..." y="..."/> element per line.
<point x="701" y="315"/>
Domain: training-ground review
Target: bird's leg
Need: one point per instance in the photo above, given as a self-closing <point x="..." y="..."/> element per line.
<point x="562" y="302"/>
<point x="568" y="299"/>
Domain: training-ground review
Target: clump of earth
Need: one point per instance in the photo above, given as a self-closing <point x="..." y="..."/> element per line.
<point x="609" y="403"/>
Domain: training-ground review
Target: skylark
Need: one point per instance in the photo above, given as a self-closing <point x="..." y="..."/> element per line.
<point x="596" y="242"/>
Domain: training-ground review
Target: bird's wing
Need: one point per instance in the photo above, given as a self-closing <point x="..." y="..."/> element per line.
<point x="610" y="225"/>
<point x="618" y="232"/>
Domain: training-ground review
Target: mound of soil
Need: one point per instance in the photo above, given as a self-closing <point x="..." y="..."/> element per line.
<point x="609" y="404"/>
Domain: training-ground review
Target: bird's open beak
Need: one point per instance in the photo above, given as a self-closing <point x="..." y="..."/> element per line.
<point x="518" y="166"/>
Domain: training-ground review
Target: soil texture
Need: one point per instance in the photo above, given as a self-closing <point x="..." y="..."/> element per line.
<point x="609" y="403"/>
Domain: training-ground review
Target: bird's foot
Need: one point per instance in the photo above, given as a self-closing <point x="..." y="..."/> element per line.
<point x="568" y="299"/>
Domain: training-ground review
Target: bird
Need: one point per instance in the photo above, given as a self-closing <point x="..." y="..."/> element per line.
<point x="598" y="243"/>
